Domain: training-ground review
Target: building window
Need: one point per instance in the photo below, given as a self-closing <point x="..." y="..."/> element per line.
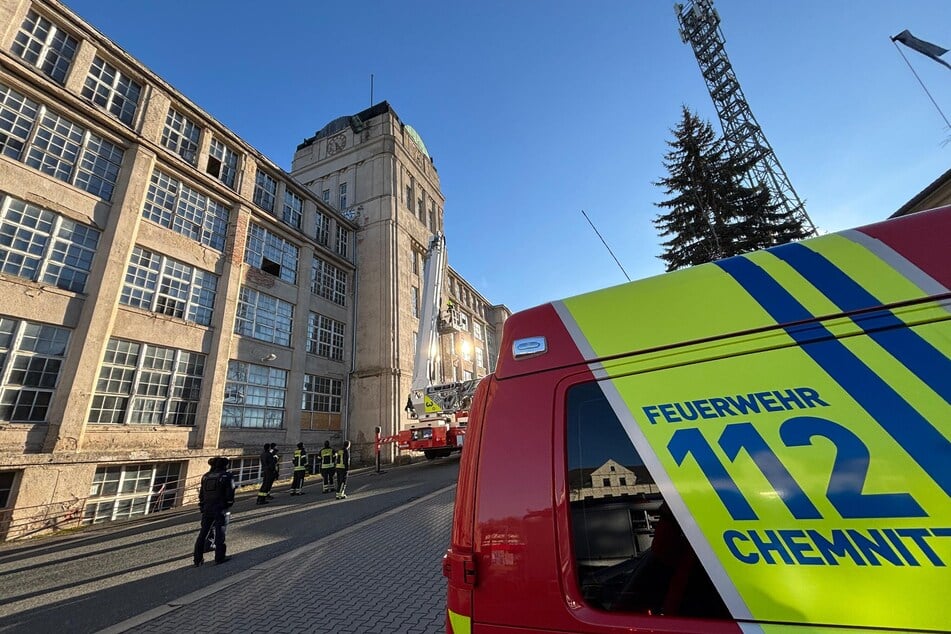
<point x="107" y="87"/>
<point x="181" y="136"/>
<point x="613" y="532"/>
<point x="415" y="300"/>
<point x="343" y="241"/>
<point x="254" y="397"/>
<point x="163" y="385"/>
<point x="222" y="163"/>
<point x="176" y="206"/>
<point x="325" y="196"/>
<point x="31" y="356"/>
<point x="42" y="246"/>
<point x="271" y="253"/>
<point x="466" y="349"/>
<point x="265" y="191"/>
<point x="480" y="357"/>
<point x="58" y="146"/>
<point x="293" y="209"/>
<point x="328" y="281"/>
<point x="123" y="491"/>
<point x="322" y="234"/>
<point x="477" y="330"/>
<point x="410" y="195"/>
<point x="343" y="196"/>
<point x="321" y="394"/>
<point x="246" y="470"/>
<point x="264" y="317"/>
<point x="421" y="207"/>
<point x="162" y="285"/>
<point x="325" y="337"/>
<point x="463" y="321"/>
<point x="415" y="263"/>
<point x="432" y="217"/>
<point x="45" y="46"/>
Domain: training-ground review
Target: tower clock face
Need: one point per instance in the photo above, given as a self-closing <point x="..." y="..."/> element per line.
<point x="336" y="143"/>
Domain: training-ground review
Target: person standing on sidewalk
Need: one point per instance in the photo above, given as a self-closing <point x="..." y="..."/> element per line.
<point x="267" y="474"/>
<point x="277" y="461"/>
<point x="215" y="497"/>
<point x="327" y="460"/>
<point x="300" y="470"/>
<point x="342" y="466"/>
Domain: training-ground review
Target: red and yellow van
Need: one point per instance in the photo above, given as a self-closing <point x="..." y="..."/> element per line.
<point x="759" y="444"/>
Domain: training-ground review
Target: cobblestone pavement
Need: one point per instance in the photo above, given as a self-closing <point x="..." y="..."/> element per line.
<point x="392" y="564"/>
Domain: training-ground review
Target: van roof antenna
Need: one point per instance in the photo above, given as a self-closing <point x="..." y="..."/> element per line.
<point x="606" y="245"/>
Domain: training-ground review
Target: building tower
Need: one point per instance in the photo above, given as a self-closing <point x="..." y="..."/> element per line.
<point x="377" y="171"/>
<point x="700" y="27"/>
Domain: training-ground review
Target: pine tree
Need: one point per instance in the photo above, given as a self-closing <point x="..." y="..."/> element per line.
<point x="712" y="215"/>
<point x="700" y="219"/>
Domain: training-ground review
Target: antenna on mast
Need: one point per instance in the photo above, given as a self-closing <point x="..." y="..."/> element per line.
<point x="606" y="245"/>
<point x="371" y="90"/>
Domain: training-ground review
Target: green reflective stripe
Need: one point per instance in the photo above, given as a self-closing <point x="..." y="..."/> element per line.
<point x="459" y="623"/>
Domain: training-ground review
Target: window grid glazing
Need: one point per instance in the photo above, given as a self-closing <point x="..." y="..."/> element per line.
<point x="343" y="241"/>
<point x="222" y="163"/>
<point x="44" y="45"/>
<point x="293" y="209"/>
<point x="321" y="394"/>
<point x="254" y="396"/>
<point x="125" y="491"/>
<point x="56" y="146"/>
<point x="31" y="357"/>
<point x="163" y="285"/>
<point x="325" y="337"/>
<point x="322" y="234"/>
<point x="271" y="253"/>
<point x="265" y="191"/>
<point x="162" y="384"/>
<point x="181" y="136"/>
<point x="41" y="246"/>
<point x="176" y="206"/>
<point x="328" y="281"/>
<point x="109" y="88"/>
<point x="263" y="317"/>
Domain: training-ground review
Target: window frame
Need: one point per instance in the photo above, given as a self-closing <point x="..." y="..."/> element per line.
<point x="172" y="204"/>
<point x="15" y="331"/>
<point x="263" y="317"/>
<point x="140" y="393"/>
<point x="198" y="306"/>
<point x="265" y="190"/>
<point x="56" y="50"/>
<point x="325" y="336"/>
<point x="181" y="135"/>
<point x="262" y="242"/>
<point x="109" y="94"/>
<point x="58" y="239"/>
<point x="273" y="393"/>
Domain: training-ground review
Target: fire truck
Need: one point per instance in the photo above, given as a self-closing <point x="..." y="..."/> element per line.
<point x="438" y="412"/>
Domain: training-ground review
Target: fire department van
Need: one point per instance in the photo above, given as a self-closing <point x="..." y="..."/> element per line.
<point x="758" y="444"/>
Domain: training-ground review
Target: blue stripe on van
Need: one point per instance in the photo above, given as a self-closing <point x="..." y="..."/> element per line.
<point x="925" y="444"/>
<point x="916" y="354"/>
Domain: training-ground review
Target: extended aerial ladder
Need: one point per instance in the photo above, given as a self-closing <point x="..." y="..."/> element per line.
<point x="438" y="412"/>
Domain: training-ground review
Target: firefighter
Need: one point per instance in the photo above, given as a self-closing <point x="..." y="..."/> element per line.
<point x="267" y="475"/>
<point x="342" y="466"/>
<point x="300" y="470"/>
<point x="327" y="467"/>
<point x="215" y="497"/>
<point x="277" y="461"/>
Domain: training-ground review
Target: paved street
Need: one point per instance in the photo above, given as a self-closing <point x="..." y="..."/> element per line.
<point x="311" y="564"/>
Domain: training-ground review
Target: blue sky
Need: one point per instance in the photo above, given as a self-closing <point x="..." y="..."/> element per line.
<point x="536" y="110"/>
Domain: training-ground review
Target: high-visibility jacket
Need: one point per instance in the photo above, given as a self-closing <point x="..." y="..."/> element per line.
<point x="343" y="459"/>
<point x="326" y="458"/>
<point x="300" y="460"/>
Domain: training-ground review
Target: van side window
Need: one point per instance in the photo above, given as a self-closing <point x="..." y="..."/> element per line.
<point x="630" y="554"/>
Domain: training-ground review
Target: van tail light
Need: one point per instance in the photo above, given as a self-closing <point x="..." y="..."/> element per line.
<point x="459" y="569"/>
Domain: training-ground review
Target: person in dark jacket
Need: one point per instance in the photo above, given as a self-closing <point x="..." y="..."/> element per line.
<point x="267" y="474"/>
<point x="300" y="470"/>
<point x="215" y="497"/>
<point x="327" y="460"/>
<point x="342" y="466"/>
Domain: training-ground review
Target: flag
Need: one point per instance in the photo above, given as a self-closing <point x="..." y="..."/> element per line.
<point x="925" y="48"/>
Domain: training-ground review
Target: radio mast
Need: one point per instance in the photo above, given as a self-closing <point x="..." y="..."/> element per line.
<point x="745" y="141"/>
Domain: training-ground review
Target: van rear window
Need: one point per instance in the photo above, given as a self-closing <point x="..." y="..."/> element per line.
<point x="630" y="554"/>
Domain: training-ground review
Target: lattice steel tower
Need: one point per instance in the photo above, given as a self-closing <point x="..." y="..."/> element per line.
<point x="700" y="27"/>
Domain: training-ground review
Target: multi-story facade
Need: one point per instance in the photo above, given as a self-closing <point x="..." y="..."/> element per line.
<point x="167" y="293"/>
<point x="377" y="171"/>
